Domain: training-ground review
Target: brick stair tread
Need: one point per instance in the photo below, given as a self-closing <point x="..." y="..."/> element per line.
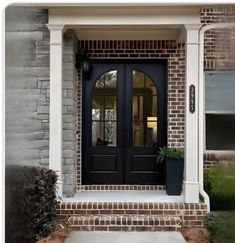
<point x="125" y="220"/>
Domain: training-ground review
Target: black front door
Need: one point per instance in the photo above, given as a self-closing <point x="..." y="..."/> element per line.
<point x="124" y="123"/>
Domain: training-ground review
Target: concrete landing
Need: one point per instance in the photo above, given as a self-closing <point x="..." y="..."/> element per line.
<point x="125" y="237"/>
<point x="132" y="196"/>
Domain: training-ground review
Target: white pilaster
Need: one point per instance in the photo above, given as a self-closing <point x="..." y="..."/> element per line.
<point x="56" y="125"/>
<point x="191" y="167"/>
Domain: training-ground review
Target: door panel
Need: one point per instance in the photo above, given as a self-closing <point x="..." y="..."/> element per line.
<point x="145" y="118"/>
<point x="102" y="151"/>
<point x="124" y="123"/>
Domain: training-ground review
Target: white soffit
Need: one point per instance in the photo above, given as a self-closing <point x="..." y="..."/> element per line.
<point x="116" y="15"/>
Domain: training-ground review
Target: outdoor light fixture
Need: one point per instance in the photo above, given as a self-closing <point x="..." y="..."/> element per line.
<point x="83" y="61"/>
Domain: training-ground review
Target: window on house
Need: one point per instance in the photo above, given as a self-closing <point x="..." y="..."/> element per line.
<point x="220" y="110"/>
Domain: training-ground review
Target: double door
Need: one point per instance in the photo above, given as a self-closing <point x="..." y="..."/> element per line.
<point x="124" y="123"/>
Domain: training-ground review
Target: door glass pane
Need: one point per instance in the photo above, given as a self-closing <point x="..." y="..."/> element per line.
<point x="144" y="110"/>
<point x="104" y="110"/>
<point x="110" y="107"/>
<point x="107" y="80"/>
<point x="96" y="114"/>
<point x="138" y="79"/>
<point x="110" y="133"/>
<point x="97" y="107"/>
<point x="138" y="134"/>
<point x="97" y="133"/>
<point x="104" y="133"/>
<point x="137" y="108"/>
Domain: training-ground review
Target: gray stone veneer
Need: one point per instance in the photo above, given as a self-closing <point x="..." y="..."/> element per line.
<point x="27" y="86"/>
<point x="28" y="93"/>
<point x="70" y="79"/>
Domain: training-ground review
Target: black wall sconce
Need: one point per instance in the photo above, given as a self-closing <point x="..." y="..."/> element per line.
<point x="83" y="61"/>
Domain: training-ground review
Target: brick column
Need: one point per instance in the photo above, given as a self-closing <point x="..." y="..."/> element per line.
<point x="191" y="167"/>
<point x="56" y="77"/>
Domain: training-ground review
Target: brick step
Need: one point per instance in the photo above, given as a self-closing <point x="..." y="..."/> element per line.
<point x="192" y="214"/>
<point x="125" y="223"/>
<point x="98" y="188"/>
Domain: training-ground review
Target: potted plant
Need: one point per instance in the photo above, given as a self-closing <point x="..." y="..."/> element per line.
<point x="174" y="159"/>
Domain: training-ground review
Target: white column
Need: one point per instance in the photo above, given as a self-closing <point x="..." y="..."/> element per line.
<point x="56" y="125"/>
<point x="191" y="167"/>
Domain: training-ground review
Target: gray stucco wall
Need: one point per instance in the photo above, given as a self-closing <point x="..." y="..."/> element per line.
<point x="28" y="94"/>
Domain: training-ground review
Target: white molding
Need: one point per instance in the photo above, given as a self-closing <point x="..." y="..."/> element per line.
<point x="220" y="152"/>
<point x="133" y="15"/>
<point x="218" y="112"/>
<point x="182" y="36"/>
<point x="55" y="27"/>
<point x="193" y="26"/>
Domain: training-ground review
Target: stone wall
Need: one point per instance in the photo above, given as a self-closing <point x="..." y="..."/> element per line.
<point x="70" y="87"/>
<point x="27" y="86"/>
<point x="28" y="93"/>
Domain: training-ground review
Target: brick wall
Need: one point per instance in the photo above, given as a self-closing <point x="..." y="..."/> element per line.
<point x="219" y="54"/>
<point x="147" y="49"/>
<point x="219" y="43"/>
<point x="170" y="50"/>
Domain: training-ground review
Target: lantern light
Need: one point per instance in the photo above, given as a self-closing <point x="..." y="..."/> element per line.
<point x="83" y="61"/>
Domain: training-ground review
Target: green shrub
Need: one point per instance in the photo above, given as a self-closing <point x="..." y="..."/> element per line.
<point x="210" y="224"/>
<point x="219" y="183"/>
<point x="221" y="225"/>
<point x="30" y="203"/>
<point x="171" y="153"/>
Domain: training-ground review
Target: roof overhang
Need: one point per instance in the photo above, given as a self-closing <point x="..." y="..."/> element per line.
<point x="125" y="22"/>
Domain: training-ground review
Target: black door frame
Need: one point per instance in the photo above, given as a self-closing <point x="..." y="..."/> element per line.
<point x="120" y="62"/>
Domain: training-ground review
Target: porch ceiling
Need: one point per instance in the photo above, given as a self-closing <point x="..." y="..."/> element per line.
<point x="137" y="32"/>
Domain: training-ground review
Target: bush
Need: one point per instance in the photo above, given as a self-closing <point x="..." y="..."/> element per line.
<point x="219" y="183"/>
<point x="30" y="203"/>
<point x="221" y="225"/>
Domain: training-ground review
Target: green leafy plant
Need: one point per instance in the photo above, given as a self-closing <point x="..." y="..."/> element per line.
<point x="171" y="153"/>
<point x="221" y="225"/>
<point x="219" y="183"/>
<point x="30" y="203"/>
<point x="210" y="224"/>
